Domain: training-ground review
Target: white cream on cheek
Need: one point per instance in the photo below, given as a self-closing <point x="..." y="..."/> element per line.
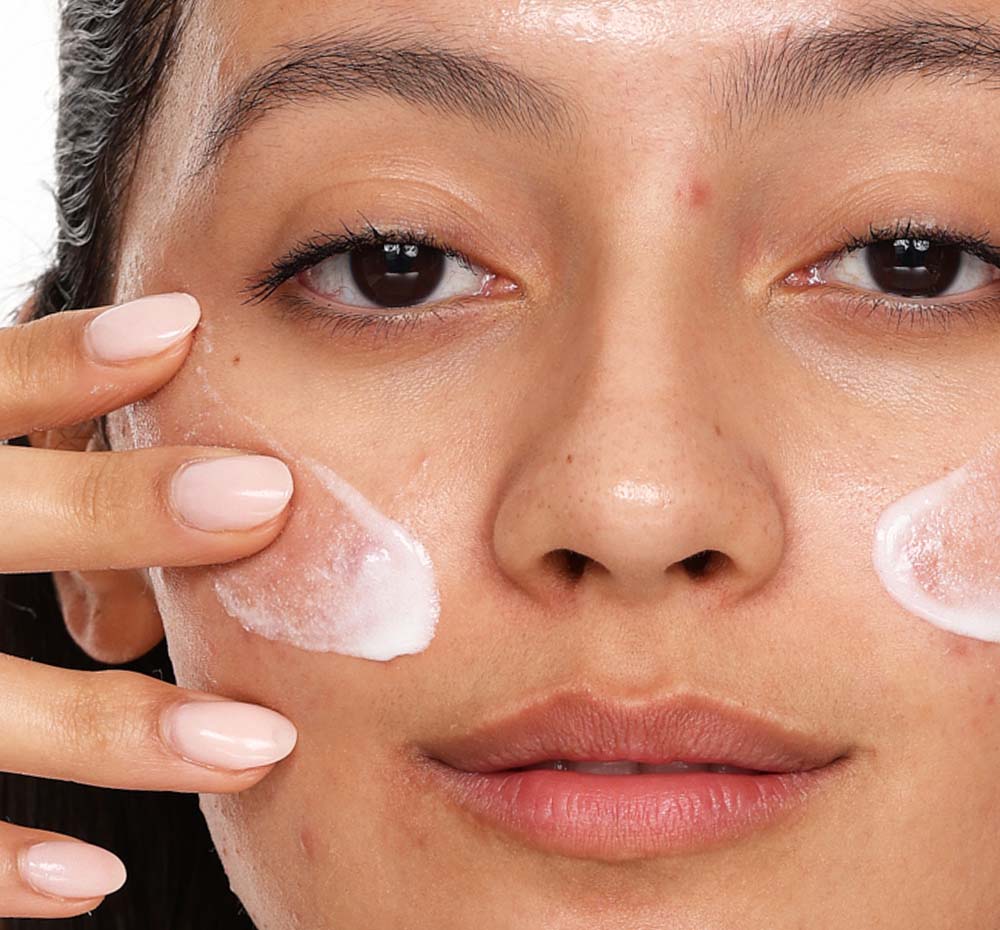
<point x="342" y="576"/>
<point x="937" y="549"/>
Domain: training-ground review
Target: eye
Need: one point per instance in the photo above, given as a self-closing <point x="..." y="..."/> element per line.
<point x="389" y="274"/>
<point x="908" y="266"/>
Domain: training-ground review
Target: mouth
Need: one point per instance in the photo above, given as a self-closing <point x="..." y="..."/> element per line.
<point x="627" y="767"/>
<point x="579" y="776"/>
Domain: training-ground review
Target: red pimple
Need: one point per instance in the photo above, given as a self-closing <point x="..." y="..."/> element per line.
<point x="696" y="192"/>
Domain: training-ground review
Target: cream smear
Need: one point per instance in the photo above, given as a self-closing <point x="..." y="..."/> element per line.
<point x="341" y="577"/>
<point x="937" y="550"/>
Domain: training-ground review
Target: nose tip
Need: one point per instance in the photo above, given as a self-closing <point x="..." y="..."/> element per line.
<point x="638" y="538"/>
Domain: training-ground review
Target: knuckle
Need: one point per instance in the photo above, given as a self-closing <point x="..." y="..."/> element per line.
<point x="20" y="360"/>
<point x="100" y="496"/>
<point x="98" y="713"/>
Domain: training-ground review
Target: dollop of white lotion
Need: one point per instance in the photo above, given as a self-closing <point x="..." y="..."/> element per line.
<point x="934" y="550"/>
<point x="342" y="577"/>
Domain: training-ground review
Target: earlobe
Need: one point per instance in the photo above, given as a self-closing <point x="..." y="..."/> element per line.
<point x="111" y="615"/>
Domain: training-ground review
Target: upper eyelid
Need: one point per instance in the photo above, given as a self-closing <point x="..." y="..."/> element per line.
<point x="323" y="245"/>
<point x="308" y="253"/>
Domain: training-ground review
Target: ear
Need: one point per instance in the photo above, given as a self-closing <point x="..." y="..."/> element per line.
<point x="111" y="615"/>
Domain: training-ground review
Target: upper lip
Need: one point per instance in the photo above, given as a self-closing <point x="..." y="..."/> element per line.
<point x="578" y="726"/>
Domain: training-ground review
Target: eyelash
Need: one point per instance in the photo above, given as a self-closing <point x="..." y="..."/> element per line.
<point x="920" y="314"/>
<point x="305" y="254"/>
<point x="310" y="252"/>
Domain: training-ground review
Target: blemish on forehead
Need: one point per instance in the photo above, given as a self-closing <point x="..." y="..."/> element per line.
<point x="694" y="192"/>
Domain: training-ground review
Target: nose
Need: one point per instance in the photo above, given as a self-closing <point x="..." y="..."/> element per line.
<point x="640" y="477"/>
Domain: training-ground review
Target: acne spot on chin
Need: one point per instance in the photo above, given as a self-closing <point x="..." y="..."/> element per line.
<point x="308" y="842"/>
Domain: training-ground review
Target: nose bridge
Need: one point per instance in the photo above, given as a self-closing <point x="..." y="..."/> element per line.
<point x="641" y="462"/>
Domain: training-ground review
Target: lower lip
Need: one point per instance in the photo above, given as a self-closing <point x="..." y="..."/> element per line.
<point x="616" y="817"/>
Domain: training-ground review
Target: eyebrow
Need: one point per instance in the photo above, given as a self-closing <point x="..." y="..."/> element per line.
<point x="762" y="78"/>
<point x="399" y="65"/>
<point x="768" y="77"/>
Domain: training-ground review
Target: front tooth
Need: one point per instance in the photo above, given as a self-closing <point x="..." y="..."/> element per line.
<point x="558" y="765"/>
<point x="674" y="767"/>
<point x="605" y="768"/>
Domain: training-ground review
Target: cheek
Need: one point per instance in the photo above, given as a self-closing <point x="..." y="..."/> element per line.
<point x="937" y="550"/>
<point x="342" y="577"/>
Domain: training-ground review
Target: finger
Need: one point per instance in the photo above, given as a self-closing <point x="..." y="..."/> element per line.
<point x="120" y="729"/>
<point x="73" y="366"/>
<point x="163" y="506"/>
<point x="44" y="874"/>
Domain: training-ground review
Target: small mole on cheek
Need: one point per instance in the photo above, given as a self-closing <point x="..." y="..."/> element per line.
<point x="236" y="360"/>
<point x="569" y="459"/>
<point x="959" y="649"/>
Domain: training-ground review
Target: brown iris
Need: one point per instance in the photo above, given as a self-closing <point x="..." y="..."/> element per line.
<point x="913" y="267"/>
<point x="394" y="274"/>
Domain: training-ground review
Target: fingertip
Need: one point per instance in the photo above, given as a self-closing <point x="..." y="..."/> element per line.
<point x="231" y="493"/>
<point x="142" y="328"/>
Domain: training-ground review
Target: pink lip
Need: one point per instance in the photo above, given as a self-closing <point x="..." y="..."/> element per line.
<point x="642" y="815"/>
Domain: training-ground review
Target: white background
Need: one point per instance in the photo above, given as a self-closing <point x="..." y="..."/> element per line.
<point x="28" y="78"/>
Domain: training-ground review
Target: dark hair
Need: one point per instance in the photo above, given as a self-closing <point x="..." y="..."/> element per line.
<point x="114" y="56"/>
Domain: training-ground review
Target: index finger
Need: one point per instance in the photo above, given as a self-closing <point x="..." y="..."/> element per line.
<point x="72" y="366"/>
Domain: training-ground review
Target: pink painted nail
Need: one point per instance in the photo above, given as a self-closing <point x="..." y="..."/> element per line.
<point x="228" y="734"/>
<point x="235" y="492"/>
<point x="141" y="328"/>
<point x="70" y="869"/>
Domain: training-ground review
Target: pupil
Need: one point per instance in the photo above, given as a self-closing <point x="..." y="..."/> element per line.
<point x="913" y="267"/>
<point x="394" y="274"/>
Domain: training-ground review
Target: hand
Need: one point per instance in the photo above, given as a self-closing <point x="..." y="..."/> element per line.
<point x="82" y="511"/>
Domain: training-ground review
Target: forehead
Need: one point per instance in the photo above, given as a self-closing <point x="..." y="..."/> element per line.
<point x="617" y="62"/>
<point x="532" y="28"/>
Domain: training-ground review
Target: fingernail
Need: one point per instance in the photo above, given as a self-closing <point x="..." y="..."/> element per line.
<point x="236" y="492"/>
<point x="228" y="734"/>
<point x="71" y="869"/>
<point x="141" y="328"/>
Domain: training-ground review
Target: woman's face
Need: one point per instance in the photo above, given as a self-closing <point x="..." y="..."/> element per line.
<point x="641" y="364"/>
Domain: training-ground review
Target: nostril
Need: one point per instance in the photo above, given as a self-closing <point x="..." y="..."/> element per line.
<point x="568" y="562"/>
<point x="698" y="564"/>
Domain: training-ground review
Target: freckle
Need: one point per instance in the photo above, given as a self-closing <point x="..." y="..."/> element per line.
<point x="718" y="431"/>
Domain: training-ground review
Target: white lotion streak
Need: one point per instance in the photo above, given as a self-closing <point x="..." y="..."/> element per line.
<point x="342" y="576"/>
<point x="937" y="550"/>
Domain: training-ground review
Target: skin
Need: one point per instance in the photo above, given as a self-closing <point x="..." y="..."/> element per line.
<point x="770" y="426"/>
<point x="108" y="728"/>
